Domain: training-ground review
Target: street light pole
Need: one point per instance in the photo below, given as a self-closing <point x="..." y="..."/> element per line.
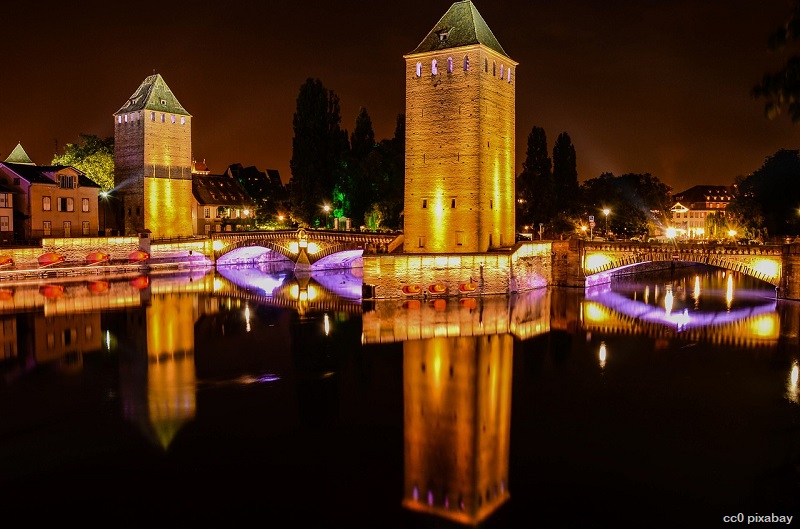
<point x="327" y="209"/>
<point x="606" y="211"/>
<point x="104" y="196"/>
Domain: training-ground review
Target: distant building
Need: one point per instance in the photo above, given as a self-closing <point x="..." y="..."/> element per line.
<point x="266" y="189"/>
<point x="459" y="156"/>
<point x="48" y="201"/>
<point x="221" y="204"/>
<point x="153" y="162"/>
<point x="694" y="208"/>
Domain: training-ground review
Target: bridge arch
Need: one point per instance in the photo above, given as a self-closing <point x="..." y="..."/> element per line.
<point x="761" y="262"/>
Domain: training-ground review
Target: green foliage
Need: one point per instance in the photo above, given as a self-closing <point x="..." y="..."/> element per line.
<point x="535" y="185"/>
<point x="565" y="174"/>
<point x="93" y="157"/>
<point x="781" y="89"/>
<point x="634" y="201"/>
<point x="319" y="148"/>
<point x="769" y="198"/>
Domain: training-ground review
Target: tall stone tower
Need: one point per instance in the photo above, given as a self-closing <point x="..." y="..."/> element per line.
<point x="153" y="162"/>
<point x="460" y="116"/>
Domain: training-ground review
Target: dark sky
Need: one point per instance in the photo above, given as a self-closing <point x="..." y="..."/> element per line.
<point x="640" y="86"/>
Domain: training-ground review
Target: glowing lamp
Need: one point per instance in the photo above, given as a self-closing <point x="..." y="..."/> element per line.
<point x="50" y="258"/>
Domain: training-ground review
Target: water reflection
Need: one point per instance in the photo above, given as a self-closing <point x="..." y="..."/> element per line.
<point x="181" y="335"/>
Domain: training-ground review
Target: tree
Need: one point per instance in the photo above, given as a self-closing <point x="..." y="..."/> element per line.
<point x="768" y="198"/>
<point x="390" y="157"/>
<point x="93" y="157"/>
<point x="565" y="178"/>
<point x="319" y="148"/>
<point x="362" y="177"/>
<point x="632" y="200"/>
<point x="535" y="185"/>
<point x="781" y="89"/>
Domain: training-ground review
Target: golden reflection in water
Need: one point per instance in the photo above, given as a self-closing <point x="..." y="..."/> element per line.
<point x="668" y="300"/>
<point x="457" y="399"/>
<point x="647" y="294"/>
<point x="791" y="387"/>
<point x="171" y="381"/>
<point x="696" y="293"/>
<point x="729" y="291"/>
<point x="327" y="324"/>
<point x="602" y="354"/>
<point x="247" y="317"/>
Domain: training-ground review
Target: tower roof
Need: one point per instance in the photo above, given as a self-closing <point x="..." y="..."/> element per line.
<point x="153" y="94"/>
<point x="462" y="25"/>
<point x="18" y="155"/>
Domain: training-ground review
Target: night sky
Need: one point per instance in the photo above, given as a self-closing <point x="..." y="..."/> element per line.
<point x="641" y="86"/>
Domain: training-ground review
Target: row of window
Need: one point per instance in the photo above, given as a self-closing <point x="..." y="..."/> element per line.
<point x="64" y="204"/>
<point x="47" y="228"/>
<point x="504" y="72"/>
<point x="452" y="203"/>
<point x="162" y="117"/>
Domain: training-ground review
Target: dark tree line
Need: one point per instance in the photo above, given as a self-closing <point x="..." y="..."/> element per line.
<point x="356" y="176"/>
<point x="548" y="193"/>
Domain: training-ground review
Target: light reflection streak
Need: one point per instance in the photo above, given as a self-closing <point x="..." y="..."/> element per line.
<point x="729" y="291"/>
<point x="602" y="354"/>
<point x="792" y="392"/>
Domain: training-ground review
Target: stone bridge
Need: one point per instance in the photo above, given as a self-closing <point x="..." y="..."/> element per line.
<point x="309" y="249"/>
<point x="777" y="264"/>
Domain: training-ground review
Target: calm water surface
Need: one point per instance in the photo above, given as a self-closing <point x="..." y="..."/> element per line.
<point x="253" y="396"/>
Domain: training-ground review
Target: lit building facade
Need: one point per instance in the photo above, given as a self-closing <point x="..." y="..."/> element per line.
<point x="153" y="162"/>
<point x="460" y="118"/>
<point x="694" y="208"/>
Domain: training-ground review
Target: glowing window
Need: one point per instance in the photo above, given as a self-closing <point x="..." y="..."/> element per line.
<point x="126" y="118"/>
<point x="183" y="120"/>
<point x="466" y="63"/>
<point x="4" y="224"/>
<point x="449" y="65"/>
<point x="45" y="203"/>
<point x="163" y="118"/>
<point x="85" y="227"/>
<point x="419" y="69"/>
<point x="47" y="227"/>
<point x="172" y="118"/>
<point x="119" y="119"/>
<point x="67" y="228"/>
<point x="501" y="71"/>
<point x="434" y="67"/>
<point x="85" y="205"/>
<point x="508" y="74"/>
<point x="152" y="116"/>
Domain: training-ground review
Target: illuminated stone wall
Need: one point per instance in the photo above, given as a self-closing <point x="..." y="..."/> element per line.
<point x="151" y="149"/>
<point x="459" y="181"/>
<point x="528" y="266"/>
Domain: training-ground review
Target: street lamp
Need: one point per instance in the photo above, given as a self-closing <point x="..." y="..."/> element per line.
<point x="104" y="196"/>
<point x="606" y="211"/>
<point x="327" y="209"/>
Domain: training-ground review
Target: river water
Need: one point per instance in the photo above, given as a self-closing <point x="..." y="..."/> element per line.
<point x="256" y="396"/>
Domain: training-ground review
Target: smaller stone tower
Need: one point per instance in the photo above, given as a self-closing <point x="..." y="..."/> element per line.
<point x="153" y="162"/>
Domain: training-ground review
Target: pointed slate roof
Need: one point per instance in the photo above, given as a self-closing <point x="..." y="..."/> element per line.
<point x="18" y="155"/>
<point x="462" y="25"/>
<point x="153" y="94"/>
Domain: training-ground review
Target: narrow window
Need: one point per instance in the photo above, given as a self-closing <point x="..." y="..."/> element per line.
<point x="434" y="67"/>
<point x="67" y="228"/>
<point x="173" y="118"/>
<point x="486" y="65"/>
<point x="85" y="205"/>
<point x="183" y="120"/>
<point x="449" y="65"/>
<point x="453" y="204"/>
<point x="119" y="119"/>
<point x="45" y="203"/>
<point x="47" y="228"/>
<point x="466" y="63"/>
<point x="490" y="203"/>
<point x="4" y="224"/>
<point x="163" y="118"/>
<point x="126" y="118"/>
<point x="494" y="69"/>
<point x="152" y="116"/>
<point x="424" y="203"/>
<point x="508" y="74"/>
<point x="501" y="72"/>
<point x="419" y="69"/>
<point x="207" y="213"/>
<point x="4" y="202"/>
<point x="85" y="227"/>
<point x="421" y="242"/>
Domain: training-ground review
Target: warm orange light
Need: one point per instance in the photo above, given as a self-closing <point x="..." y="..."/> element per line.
<point x="138" y="255"/>
<point x="97" y="287"/>
<point x="6" y="260"/>
<point x="467" y="287"/>
<point x="50" y="258"/>
<point x="51" y="291"/>
<point x="6" y="295"/>
<point x="411" y="289"/>
<point x="438" y="288"/>
<point x="97" y="257"/>
<point x="411" y="304"/>
<point x="140" y="282"/>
